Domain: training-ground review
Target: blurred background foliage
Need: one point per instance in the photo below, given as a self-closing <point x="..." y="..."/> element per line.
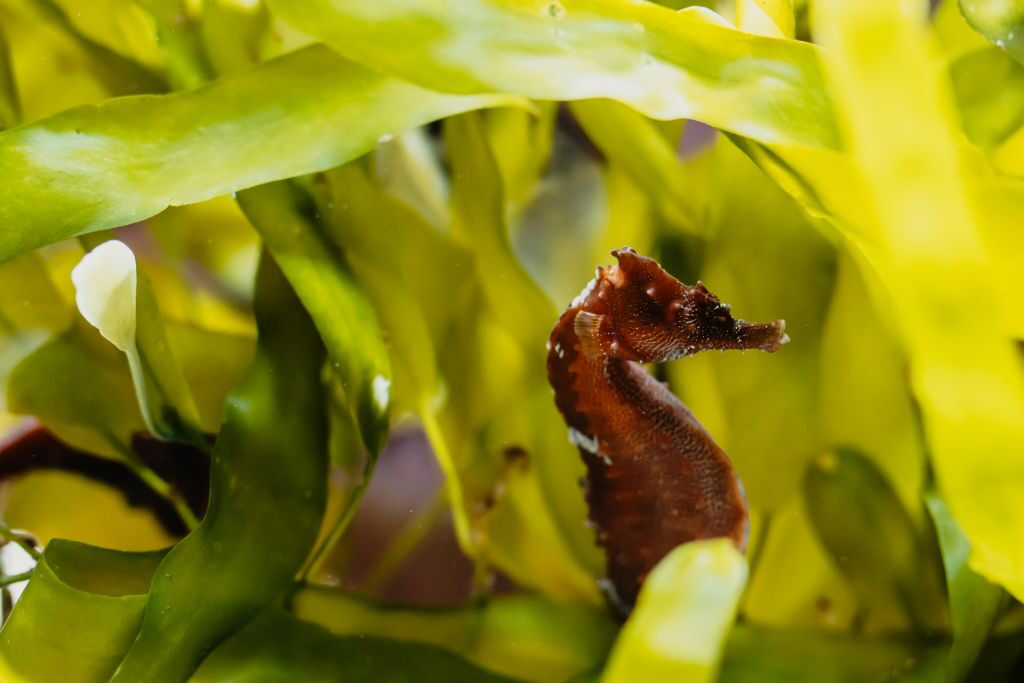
<point x="392" y="495"/>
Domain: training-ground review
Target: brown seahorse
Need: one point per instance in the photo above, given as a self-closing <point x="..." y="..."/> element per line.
<point x="655" y="478"/>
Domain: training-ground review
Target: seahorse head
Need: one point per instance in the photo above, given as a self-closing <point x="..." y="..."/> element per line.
<point x="656" y="317"/>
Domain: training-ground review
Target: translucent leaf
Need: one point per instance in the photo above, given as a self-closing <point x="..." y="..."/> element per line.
<point x="92" y="168"/>
<point x="922" y="235"/>
<point x="245" y="553"/>
<point x="523" y="636"/>
<point x="667" y="65"/>
<point x="973" y="602"/>
<point x="682" y="617"/>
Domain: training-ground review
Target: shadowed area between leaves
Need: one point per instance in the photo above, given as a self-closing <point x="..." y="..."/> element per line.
<point x="185" y="468"/>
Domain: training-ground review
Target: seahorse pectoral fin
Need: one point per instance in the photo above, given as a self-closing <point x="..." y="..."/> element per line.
<point x="588" y="329"/>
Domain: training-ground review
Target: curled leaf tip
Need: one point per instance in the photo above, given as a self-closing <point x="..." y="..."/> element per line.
<point x="105" y="284"/>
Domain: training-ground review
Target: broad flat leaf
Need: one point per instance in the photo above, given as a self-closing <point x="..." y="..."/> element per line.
<point x="973" y="602"/>
<point x="278" y="647"/>
<point x="1001" y="21"/>
<point x="77" y="616"/>
<point x="267" y="498"/>
<point x="872" y="539"/>
<point x="521" y="635"/>
<point x="923" y="237"/>
<point x="79" y="386"/>
<point x="339" y="309"/>
<point x="667" y="65"/>
<point x="92" y="168"/>
<point x="682" y="617"/>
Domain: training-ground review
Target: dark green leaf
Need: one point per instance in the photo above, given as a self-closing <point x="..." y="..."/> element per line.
<point x="973" y="601"/>
<point x="861" y="522"/>
<point x="346" y="321"/>
<point x="756" y="655"/>
<point x="267" y="497"/>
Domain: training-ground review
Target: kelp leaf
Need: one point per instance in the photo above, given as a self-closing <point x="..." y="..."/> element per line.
<point x="760" y="655"/>
<point x="861" y="522"/>
<point x="989" y="89"/>
<point x="628" y="139"/>
<point x="922" y="235"/>
<point x="79" y="386"/>
<point x="344" y="317"/>
<point x="973" y="601"/>
<point x="525" y="636"/>
<point x="278" y="647"/>
<point x="78" y="614"/>
<point x="267" y="497"/>
<point x="1000" y="21"/>
<point x="667" y="65"/>
<point x="102" y="166"/>
<point x="684" y="612"/>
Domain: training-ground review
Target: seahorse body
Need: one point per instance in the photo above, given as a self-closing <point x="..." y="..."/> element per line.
<point x="655" y="477"/>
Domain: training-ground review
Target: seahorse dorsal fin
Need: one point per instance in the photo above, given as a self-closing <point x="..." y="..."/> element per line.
<point x="587" y="326"/>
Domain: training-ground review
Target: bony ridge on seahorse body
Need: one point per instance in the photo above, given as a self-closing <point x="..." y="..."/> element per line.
<point x="655" y="477"/>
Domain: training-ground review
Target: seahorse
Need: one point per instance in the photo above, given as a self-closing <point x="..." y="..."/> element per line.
<point x="655" y="477"/>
